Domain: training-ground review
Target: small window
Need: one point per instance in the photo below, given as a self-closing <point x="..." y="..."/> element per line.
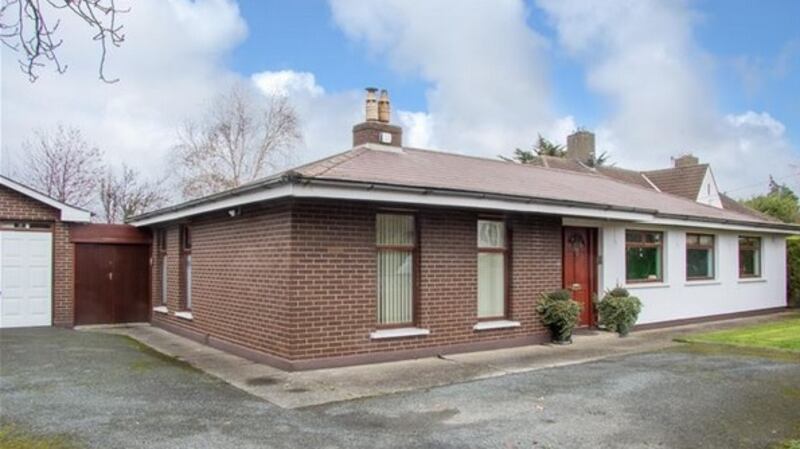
<point x="644" y="256"/>
<point x="186" y="237"/>
<point x="491" y="269"/>
<point x="699" y="256"/>
<point x="161" y="239"/>
<point x="395" y="241"/>
<point x="164" y="272"/>
<point x="749" y="257"/>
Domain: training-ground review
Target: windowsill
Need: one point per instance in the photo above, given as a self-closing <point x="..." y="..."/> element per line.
<point x="161" y="309"/>
<point x="185" y="315"/>
<point x="638" y="285"/>
<point x="402" y="332"/>
<point x="690" y="283"/>
<point x="751" y="280"/>
<point x="495" y="324"/>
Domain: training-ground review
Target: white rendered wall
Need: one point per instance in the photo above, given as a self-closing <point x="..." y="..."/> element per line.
<point x="708" y="193"/>
<point x="676" y="298"/>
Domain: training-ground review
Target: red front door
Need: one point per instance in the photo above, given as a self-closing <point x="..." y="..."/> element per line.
<point x="579" y="269"/>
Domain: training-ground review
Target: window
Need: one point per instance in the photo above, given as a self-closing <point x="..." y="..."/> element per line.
<point x="749" y="257"/>
<point x="161" y="244"/>
<point x="491" y="269"/>
<point x="643" y="256"/>
<point x="395" y="239"/>
<point x="699" y="256"/>
<point x="186" y="253"/>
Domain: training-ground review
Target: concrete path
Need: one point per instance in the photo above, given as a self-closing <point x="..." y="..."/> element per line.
<point x="302" y="389"/>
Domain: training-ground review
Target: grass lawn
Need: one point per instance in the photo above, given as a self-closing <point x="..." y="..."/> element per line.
<point x="12" y="437"/>
<point x="782" y="334"/>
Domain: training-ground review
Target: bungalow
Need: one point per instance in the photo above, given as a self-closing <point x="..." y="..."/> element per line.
<point x="386" y="252"/>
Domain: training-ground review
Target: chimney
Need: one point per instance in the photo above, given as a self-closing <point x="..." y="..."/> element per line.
<point x="376" y="128"/>
<point x="687" y="160"/>
<point x="580" y="146"/>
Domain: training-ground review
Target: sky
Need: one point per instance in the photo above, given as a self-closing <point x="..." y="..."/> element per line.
<point x="653" y="79"/>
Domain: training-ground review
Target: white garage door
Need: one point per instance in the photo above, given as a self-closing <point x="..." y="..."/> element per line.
<point x="26" y="261"/>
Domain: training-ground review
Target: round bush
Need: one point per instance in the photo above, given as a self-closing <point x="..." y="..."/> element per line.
<point x="559" y="313"/>
<point x="619" y="313"/>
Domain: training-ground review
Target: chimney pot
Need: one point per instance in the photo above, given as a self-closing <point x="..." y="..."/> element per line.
<point x="384" y="107"/>
<point x="580" y="146"/>
<point x="371" y="105"/>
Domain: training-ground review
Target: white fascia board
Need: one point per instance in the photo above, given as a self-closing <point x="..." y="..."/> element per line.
<point x="68" y="213"/>
<point x="460" y="201"/>
<point x="222" y="204"/>
<point x="722" y="226"/>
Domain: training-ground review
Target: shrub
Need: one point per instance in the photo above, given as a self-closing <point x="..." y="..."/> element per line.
<point x="793" y="271"/>
<point x="619" y="292"/>
<point x="559" y="313"/>
<point x="619" y="311"/>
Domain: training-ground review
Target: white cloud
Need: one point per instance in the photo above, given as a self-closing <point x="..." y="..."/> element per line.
<point x="170" y="64"/>
<point x="642" y="57"/>
<point x="489" y="90"/>
<point x="326" y="119"/>
<point x="287" y="83"/>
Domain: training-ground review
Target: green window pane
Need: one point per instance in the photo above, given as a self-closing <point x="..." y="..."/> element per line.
<point x="643" y="264"/>
<point x="699" y="263"/>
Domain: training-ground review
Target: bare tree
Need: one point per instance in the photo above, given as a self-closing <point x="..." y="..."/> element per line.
<point x="30" y="27"/>
<point x="238" y="141"/>
<point x="63" y="165"/>
<point x="126" y="194"/>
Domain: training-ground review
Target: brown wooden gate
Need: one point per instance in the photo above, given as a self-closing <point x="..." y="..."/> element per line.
<point x="112" y="274"/>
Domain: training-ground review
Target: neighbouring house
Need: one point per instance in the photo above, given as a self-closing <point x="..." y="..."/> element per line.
<point x="386" y="252"/>
<point x="36" y="257"/>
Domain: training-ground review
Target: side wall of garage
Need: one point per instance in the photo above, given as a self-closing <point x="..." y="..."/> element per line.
<point x="16" y="207"/>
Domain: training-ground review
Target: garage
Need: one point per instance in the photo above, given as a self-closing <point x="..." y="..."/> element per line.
<point x="36" y="257"/>
<point x="112" y="274"/>
<point x="26" y="278"/>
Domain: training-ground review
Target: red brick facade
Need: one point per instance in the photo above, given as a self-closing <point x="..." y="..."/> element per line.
<point x="15" y="206"/>
<point x="296" y="282"/>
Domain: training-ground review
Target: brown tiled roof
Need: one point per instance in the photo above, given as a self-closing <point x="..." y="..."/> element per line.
<point x="731" y="204"/>
<point x="447" y="171"/>
<point x="625" y="175"/>
<point x="681" y="181"/>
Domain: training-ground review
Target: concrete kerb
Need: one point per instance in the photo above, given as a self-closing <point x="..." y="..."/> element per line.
<point x="309" y="388"/>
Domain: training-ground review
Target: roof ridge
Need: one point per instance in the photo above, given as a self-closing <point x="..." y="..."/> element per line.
<point x="706" y="165"/>
<point x="329" y="163"/>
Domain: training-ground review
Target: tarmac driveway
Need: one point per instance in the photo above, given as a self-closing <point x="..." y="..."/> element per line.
<point x="108" y="391"/>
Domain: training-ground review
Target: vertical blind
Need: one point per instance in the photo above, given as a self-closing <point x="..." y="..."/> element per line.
<point x="491" y="268"/>
<point x="164" y="280"/>
<point x="189" y="281"/>
<point x="395" y="242"/>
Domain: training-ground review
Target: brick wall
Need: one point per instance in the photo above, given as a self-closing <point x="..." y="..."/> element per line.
<point x="333" y="280"/>
<point x="298" y="280"/>
<point x="239" y="269"/>
<point x="16" y="206"/>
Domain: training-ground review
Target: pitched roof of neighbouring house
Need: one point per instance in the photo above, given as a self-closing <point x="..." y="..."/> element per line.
<point x="67" y="212"/>
<point x="681" y="181"/>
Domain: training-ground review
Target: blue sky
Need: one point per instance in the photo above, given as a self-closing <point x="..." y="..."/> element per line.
<point x="653" y="79"/>
<point x="302" y="36"/>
